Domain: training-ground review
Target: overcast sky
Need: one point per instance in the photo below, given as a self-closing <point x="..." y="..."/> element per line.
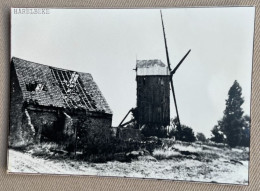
<point x="106" y="43"/>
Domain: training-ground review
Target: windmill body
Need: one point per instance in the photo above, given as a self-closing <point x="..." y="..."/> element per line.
<point x="153" y="93"/>
<point x="154" y="83"/>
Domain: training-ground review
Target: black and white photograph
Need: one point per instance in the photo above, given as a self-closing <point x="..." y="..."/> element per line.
<point x="160" y="93"/>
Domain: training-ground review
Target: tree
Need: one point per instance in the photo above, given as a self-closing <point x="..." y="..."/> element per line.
<point x="181" y="132"/>
<point x="233" y="121"/>
<point x="187" y="134"/>
<point x="245" y="140"/>
<point x="201" y="137"/>
<point x="218" y="135"/>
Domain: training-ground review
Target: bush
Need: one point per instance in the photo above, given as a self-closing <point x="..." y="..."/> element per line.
<point x="218" y="136"/>
<point x="201" y="137"/>
<point x="44" y="149"/>
<point x="92" y="140"/>
<point x="153" y="130"/>
<point x="181" y="132"/>
<point x="185" y="134"/>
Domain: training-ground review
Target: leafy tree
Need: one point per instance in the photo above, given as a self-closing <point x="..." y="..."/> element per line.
<point x="218" y="135"/>
<point x="245" y="140"/>
<point x="181" y="132"/>
<point x="233" y="121"/>
<point x="187" y="134"/>
<point x="201" y="137"/>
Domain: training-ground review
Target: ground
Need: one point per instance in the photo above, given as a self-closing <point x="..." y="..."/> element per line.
<point x="193" y="162"/>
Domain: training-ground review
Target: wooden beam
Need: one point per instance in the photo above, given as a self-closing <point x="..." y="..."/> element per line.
<point x="126" y="123"/>
<point x="58" y="82"/>
<point x="125" y="117"/>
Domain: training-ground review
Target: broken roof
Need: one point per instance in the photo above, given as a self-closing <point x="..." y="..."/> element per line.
<point x="151" y="67"/>
<point x="50" y="86"/>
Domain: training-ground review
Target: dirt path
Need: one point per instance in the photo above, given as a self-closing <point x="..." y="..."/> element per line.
<point x="187" y="169"/>
<point x="24" y="162"/>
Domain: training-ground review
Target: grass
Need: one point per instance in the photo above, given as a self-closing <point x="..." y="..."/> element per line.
<point x="204" y="152"/>
<point x="161" y="154"/>
<point x="44" y="149"/>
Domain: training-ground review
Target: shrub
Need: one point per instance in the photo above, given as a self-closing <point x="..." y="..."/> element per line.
<point x="181" y="132"/>
<point x="218" y="136"/>
<point x="153" y="130"/>
<point x="201" y="137"/>
<point x="43" y="149"/>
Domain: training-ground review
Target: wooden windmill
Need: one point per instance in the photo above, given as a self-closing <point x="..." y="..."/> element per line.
<point x="154" y="81"/>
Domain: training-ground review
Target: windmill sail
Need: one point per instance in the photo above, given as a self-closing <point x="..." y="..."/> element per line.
<point x="169" y="66"/>
<point x="178" y="65"/>
<point x="165" y="43"/>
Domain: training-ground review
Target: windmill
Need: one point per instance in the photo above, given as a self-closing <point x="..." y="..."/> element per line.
<point x="174" y="70"/>
<point x="154" y="82"/>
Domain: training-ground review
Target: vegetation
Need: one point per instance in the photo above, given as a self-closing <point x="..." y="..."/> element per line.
<point x="153" y="130"/>
<point x="100" y="145"/>
<point x="201" y="137"/>
<point x="233" y="128"/>
<point x="181" y="132"/>
<point x="218" y="136"/>
<point x="245" y="137"/>
<point x="177" y="160"/>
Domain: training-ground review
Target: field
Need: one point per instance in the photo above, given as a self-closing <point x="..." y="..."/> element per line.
<point x="175" y="160"/>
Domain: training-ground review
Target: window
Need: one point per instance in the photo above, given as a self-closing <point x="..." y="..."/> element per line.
<point x="35" y="86"/>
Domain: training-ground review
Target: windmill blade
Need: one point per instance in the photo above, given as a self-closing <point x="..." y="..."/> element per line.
<point x="178" y="65"/>
<point x="165" y="43"/>
<point x="169" y="66"/>
<point x="175" y="103"/>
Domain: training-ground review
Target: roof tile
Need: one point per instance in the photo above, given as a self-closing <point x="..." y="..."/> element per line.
<point x="60" y="88"/>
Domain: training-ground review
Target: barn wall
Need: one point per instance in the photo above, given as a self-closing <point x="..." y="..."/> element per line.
<point x="52" y="125"/>
<point x="92" y="129"/>
<point x="48" y="125"/>
<point x="16" y="110"/>
<point x="153" y="100"/>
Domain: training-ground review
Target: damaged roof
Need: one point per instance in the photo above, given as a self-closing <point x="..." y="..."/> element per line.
<point x="151" y="67"/>
<point x="49" y="86"/>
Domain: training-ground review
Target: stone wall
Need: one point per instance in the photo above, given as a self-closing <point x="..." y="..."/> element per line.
<point x="94" y="132"/>
<point x="63" y="127"/>
<point x="129" y="133"/>
<point x="16" y="107"/>
<point x="48" y="125"/>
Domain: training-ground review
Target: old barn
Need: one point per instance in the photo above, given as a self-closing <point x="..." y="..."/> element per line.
<point x="53" y="104"/>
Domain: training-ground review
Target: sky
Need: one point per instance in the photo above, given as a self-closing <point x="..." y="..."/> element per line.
<point x="107" y="43"/>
